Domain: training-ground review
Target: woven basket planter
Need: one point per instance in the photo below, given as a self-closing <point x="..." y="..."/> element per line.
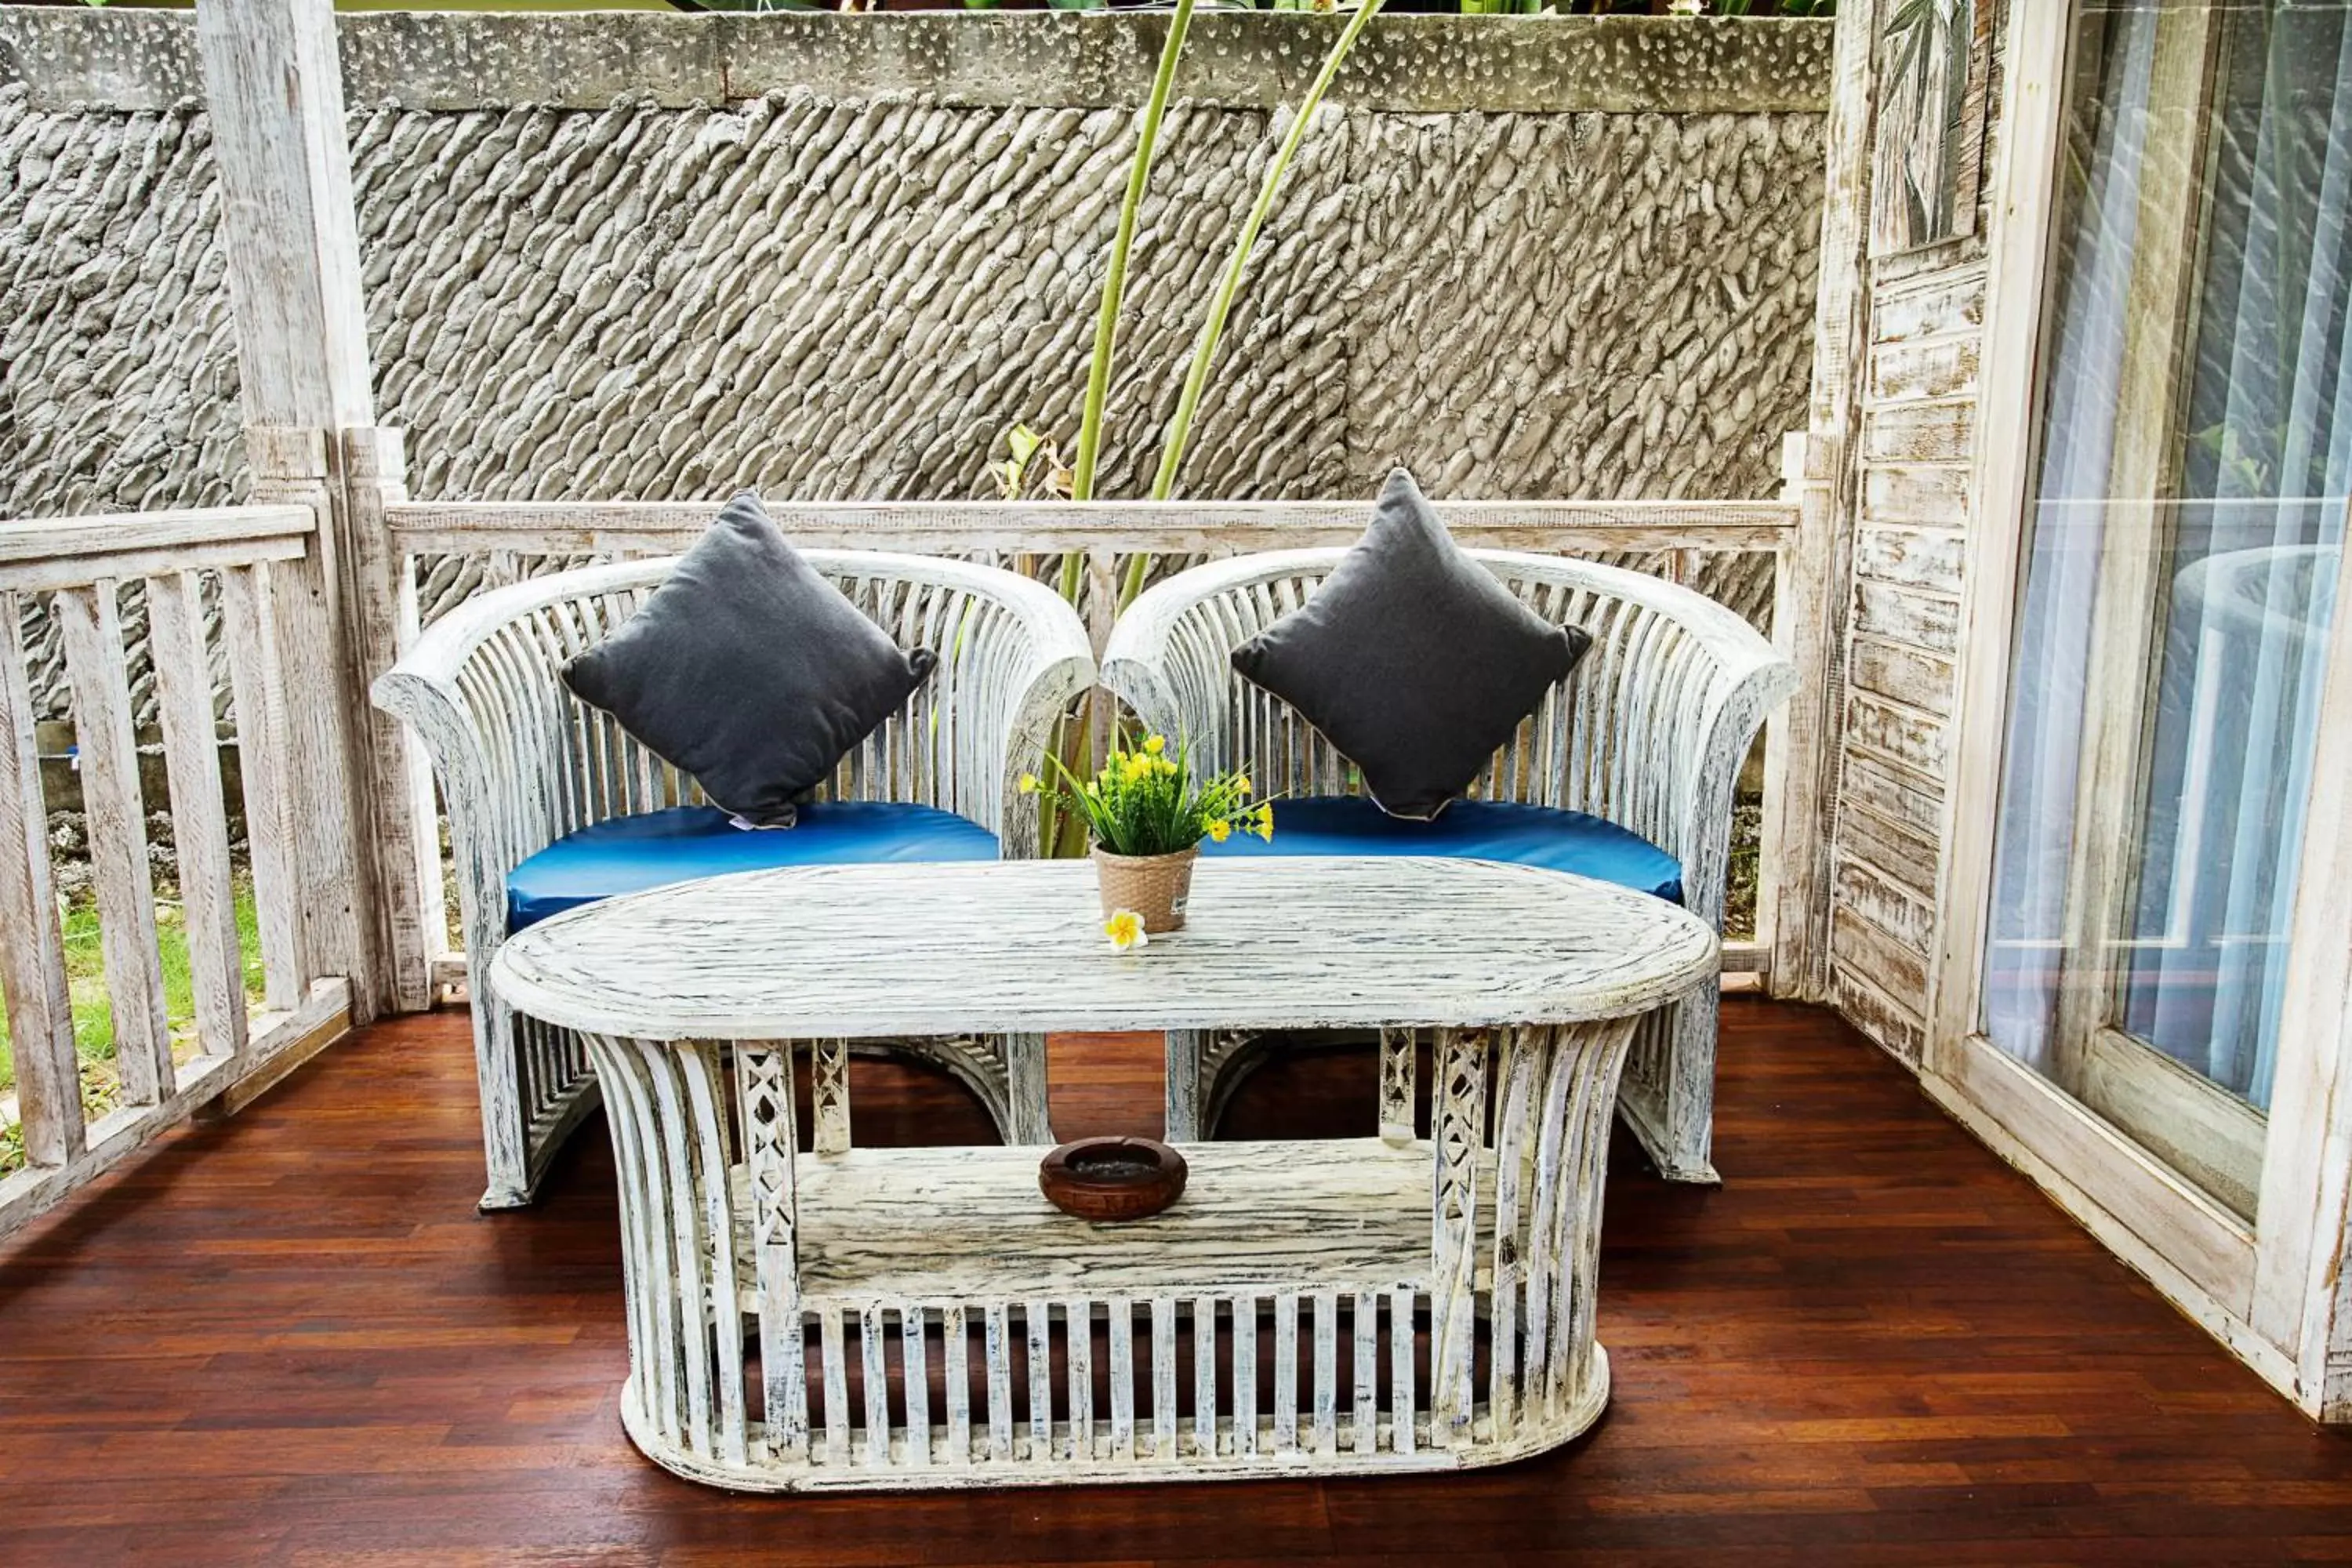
<point x="1156" y="887"/>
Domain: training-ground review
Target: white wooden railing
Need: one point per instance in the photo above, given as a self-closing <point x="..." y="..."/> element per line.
<point x="1739" y="551"/>
<point x="318" y="593"/>
<point x="252" y="591"/>
<point x="260" y="567"/>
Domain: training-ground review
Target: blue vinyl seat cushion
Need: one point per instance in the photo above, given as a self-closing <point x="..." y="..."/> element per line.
<point x="1470" y="830"/>
<point x="630" y="854"/>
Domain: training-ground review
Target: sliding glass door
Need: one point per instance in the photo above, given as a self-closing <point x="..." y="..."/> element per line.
<point x="2194" y="430"/>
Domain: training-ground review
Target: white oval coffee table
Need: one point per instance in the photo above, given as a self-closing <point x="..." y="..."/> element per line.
<point x="896" y="1298"/>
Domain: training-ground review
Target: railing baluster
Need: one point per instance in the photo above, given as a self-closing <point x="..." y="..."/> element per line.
<point x="1164" y="1377"/>
<point x="261" y="767"/>
<point x="873" y="1343"/>
<point x="1244" y="1373"/>
<point x="1204" y="1376"/>
<point x="1037" y="1318"/>
<point x="999" y="1349"/>
<point x="1401" y="1380"/>
<point x="955" y="1341"/>
<point x="1326" y="1372"/>
<point x="915" y="1364"/>
<point x="1120" y="1319"/>
<point x="1364" y="1410"/>
<point x="836" y="1387"/>
<point x="1078" y="1326"/>
<point x="1286" y="1372"/>
<point x="40" y="1010"/>
<point x="95" y="663"/>
<point x="184" y="700"/>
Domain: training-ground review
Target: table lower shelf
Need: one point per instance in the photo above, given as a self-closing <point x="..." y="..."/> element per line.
<point x="970" y="1224"/>
<point x="924" y="1317"/>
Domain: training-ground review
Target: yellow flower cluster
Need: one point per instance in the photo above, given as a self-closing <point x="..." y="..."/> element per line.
<point x="1144" y="799"/>
<point x="1260" y="822"/>
<point x="1135" y="767"/>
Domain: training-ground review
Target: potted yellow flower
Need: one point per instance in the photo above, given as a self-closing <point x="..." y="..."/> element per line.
<point x="1146" y="816"/>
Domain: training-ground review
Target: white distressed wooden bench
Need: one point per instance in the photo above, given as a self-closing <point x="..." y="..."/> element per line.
<point x="909" y="1308"/>
<point x="1649" y="732"/>
<point x="521" y="763"/>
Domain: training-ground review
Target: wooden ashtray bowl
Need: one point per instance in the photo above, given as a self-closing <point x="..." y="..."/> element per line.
<point x="1112" y="1178"/>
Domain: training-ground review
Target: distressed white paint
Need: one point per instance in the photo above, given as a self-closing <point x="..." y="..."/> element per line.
<point x="290" y="251"/>
<point x="874" y="1244"/>
<point x="1168" y="528"/>
<point x="108" y="757"/>
<point x="192" y="752"/>
<point x="879" y="951"/>
<point x="521" y="763"/>
<point x="32" y="943"/>
<point x="1649" y="731"/>
<point x="1810" y="585"/>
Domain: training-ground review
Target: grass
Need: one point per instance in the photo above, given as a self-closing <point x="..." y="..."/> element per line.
<point x="93" y="1009"/>
<point x="1747" y="847"/>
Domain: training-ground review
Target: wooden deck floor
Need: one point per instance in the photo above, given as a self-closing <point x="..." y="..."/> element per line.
<point x="291" y="1338"/>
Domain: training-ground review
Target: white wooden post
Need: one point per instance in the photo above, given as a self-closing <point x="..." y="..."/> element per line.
<point x="274" y="88"/>
<point x="1812" y="583"/>
<point x="400" y="822"/>
<point x="332" y="876"/>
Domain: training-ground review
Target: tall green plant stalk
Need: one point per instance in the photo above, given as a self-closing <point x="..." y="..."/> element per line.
<point x="1139" y="174"/>
<point x="1204" y="351"/>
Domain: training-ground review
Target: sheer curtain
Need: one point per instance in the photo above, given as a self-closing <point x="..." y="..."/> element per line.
<point x="2041" y="760"/>
<point x="2255" y="524"/>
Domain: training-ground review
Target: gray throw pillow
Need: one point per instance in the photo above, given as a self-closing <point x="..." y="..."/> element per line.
<point x="1411" y="658"/>
<point x="747" y="669"/>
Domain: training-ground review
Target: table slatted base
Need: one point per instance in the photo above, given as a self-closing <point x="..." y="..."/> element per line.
<point x="923" y="1318"/>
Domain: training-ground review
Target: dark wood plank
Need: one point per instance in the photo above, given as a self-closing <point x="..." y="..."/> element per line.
<point x="290" y="1338"/>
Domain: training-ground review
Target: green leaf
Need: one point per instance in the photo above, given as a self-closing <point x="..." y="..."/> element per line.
<point x="1139" y="174"/>
<point x="1204" y="352"/>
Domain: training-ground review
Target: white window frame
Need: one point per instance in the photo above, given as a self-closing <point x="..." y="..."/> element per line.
<point x="2271" y="1289"/>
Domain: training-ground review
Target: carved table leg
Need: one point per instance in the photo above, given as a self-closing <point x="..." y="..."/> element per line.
<point x="1025" y="1093"/>
<point x="1399" y="1067"/>
<point x="829" y="1091"/>
<point x="1459" y="1135"/>
<point x="713" y="1245"/>
<point x="765" y="1086"/>
<point x="1182" y="1114"/>
<point x="665" y="1102"/>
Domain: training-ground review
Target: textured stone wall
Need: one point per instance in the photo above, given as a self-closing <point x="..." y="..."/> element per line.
<point x="838" y="258"/>
<point x="853" y="299"/>
<point x="117" y="356"/>
<point x="849" y="288"/>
